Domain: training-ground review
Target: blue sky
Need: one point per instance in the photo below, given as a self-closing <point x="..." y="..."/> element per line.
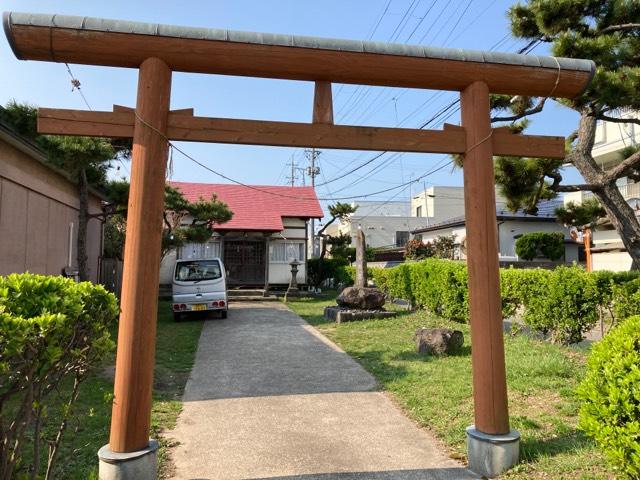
<point x="476" y="24"/>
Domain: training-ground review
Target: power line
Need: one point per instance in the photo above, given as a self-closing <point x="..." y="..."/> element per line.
<point x="364" y="91"/>
<point x="421" y="20"/>
<point x="75" y="85"/>
<point x="406" y="16"/>
<point x="384" y="13"/>
<point x="428" y="122"/>
<point x="464" y="12"/>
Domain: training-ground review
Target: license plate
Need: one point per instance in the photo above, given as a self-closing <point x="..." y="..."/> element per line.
<point x="199" y="306"/>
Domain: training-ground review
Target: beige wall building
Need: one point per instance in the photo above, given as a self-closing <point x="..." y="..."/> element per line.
<point x="39" y="213"/>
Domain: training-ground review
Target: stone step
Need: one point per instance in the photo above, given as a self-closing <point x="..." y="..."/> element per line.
<point x="251" y="298"/>
<point x="232" y="293"/>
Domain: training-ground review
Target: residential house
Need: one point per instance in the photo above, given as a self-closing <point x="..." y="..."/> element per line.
<point x="385" y="224"/>
<point x="608" y="252"/>
<point x="268" y="231"/>
<point x="510" y="227"/>
<point x="437" y="204"/>
<point x="39" y="213"/>
<point x="389" y="224"/>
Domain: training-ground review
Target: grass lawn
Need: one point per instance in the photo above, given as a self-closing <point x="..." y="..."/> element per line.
<point x="89" y="428"/>
<point x="436" y="392"/>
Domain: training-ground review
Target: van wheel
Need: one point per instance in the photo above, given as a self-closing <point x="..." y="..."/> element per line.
<point x="177" y="317"/>
<point x="223" y="314"/>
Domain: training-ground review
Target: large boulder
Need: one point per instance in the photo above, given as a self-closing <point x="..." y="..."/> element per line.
<point x="438" y="341"/>
<point x="361" y="297"/>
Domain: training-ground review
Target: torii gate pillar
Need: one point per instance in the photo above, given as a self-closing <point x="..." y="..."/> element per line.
<point x="492" y="446"/>
<point x="130" y="453"/>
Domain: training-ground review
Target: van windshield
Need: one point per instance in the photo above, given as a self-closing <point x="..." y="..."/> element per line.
<point x="196" y="270"/>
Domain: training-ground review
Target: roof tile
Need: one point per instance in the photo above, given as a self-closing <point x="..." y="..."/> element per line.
<point x="256" y="207"/>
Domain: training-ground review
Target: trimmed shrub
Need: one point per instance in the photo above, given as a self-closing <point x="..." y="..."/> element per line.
<point x="52" y="330"/>
<point x="417" y="250"/>
<point x="616" y="289"/>
<point x="610" y="412"/>
<point x="565" y="307"/>
<point x="518" y="286"/>
<point x="563" y="303"/>
<point x="380" y="278"/>
<point x="540" y="244"/>
<point x="625" y="298"/>
<point x="321" y="269"/>
<point x="398" y="284"/>
<point x="441" y="287"/>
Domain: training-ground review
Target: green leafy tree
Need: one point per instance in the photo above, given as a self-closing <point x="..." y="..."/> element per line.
<point x="338" y="211"/>
<point x="608" y="32"/>
<point x="85" y="160"/>
<point x="183" y="221"/>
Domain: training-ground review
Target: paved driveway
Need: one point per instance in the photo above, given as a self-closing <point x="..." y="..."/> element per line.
<point x="269" y="397"/>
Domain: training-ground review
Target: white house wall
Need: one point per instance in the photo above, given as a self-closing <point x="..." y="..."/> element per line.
<point x="611" y="137"/>
<point x="443" y="203"/>
<point x="613" y="261"/>
<point x="279" y="272"/>
<point x="381" y="231"/>
<point x="507" y="230"/>
<point x="295" y="231"/>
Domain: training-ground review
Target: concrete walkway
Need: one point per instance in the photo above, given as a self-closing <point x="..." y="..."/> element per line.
<point x="269" y="397"/>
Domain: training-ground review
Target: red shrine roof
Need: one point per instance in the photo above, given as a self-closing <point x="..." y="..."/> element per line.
<point x="256" y="207"/>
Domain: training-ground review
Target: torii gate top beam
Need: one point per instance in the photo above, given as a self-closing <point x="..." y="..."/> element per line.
<point x="116" y="43"/>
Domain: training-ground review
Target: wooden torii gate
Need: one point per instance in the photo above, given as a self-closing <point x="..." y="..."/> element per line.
<point x="158" y="50"/>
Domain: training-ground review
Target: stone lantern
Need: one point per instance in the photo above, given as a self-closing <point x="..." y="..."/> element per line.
<point x="293" y="290"/>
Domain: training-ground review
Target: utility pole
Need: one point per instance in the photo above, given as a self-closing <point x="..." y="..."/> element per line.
<point x="292" y="179"/>
<point x="426" y="201"/>
<point x="313" y="171"/>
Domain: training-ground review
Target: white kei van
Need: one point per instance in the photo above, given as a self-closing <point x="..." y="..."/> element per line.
<point x="199" y="285"/>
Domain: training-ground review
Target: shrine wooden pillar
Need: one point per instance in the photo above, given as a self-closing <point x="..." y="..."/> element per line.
<point x="487" y="342"/>
<point x="135" y="357"/>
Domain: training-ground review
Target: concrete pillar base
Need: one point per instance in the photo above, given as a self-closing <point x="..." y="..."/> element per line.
<point x="140" y="465"/>
<point x="492" y="455"/>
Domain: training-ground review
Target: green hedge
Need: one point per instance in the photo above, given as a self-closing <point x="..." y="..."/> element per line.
<point x="321" y="269"/>
<point x="53" y="331"/>
<point x="563" y="303"/>
<point x="610" y="412"/>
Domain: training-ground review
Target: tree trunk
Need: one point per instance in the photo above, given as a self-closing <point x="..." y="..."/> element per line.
<point x="323" y="245"/>
<point x="623" y="219"/>
<point x="619" y="212"/>
<point x="83" y="220"/>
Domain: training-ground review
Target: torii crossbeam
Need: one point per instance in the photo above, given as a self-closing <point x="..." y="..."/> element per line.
<point x="158" y="50"/>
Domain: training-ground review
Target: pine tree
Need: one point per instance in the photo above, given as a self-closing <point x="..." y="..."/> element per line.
<point x="338" y="211"/>
<point x="608" y="32"/>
